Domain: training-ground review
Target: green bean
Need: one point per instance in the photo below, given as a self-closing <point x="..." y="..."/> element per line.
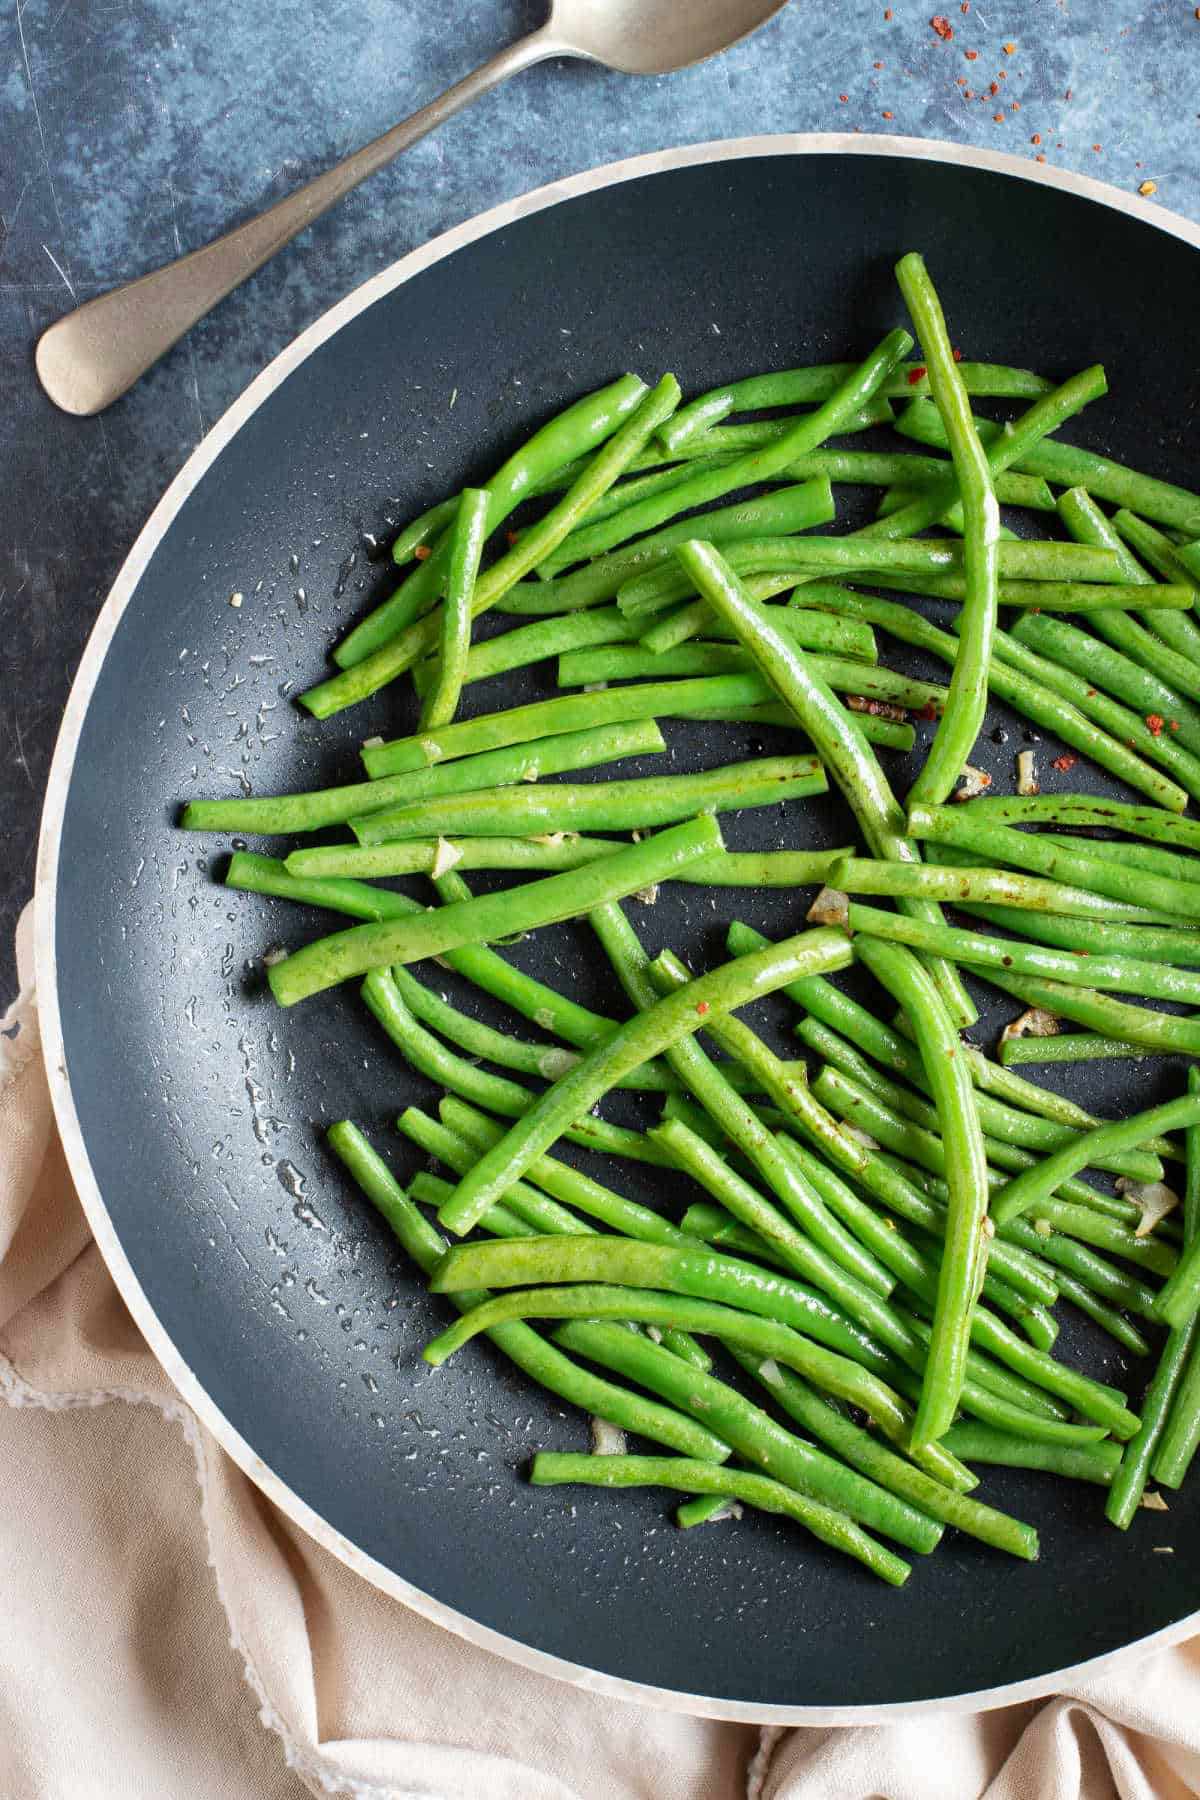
<point x="824" y="1522"/>
<point x="1106" y="667"/>
<point x="1013" y="443"/>
<point x="956" y="825"/>
<point x="897" y="498"/>
<point x="1167" y="1431"/>
<point x="537" y="1212"/>
<point x="581" y="427"/>
<point x="954" y="739"/>
<point x="425" y="529"/>
<point x="837" y="1010"/>
<point x="338" y="805"/>
<point x="1118" y="1327"/>
<point x="957" y="885"/>
<point x="886" y="733"/>
<point x="792" y="1186"/>
<point x="814" y="630"/>
<point x="752" y="1433"/>
<point x="623" y="662"/>
<point x="716" y="1226"/>
<point x="1088" y="525"/>
<point x="965" y="1247"/>
<point x="1044" y="704"/>
<point x="547" y="718"/>
<point x="672" y="1018"/>
<point x="1077" y="1462"/>
<point x="1179" y="1301"/>
<point x="1036" y="573"/>
<point x="1088" y="1226"/>
<point x="804" y="435"/>
<point x="422" y="856"/>
<point x="634" y="804"/>
<point x="365" y="674"/>
<point x="1000" y="1121"/>
<point x="1073" y="1046"/>
<point x="1120" y="721"/>
<point x="434" y="1060"/>
<point x="1067" y="466"/>
<point x="626" y="661"/>
<point x="545" y="1006"/>
<point x="1034" y="1186"/>
<point x="547" y="1061"/>
<point x="1181" y="864"/>
<point x="692" y="1280"/>
<point x="569" y="1185"/>
<point x="1042" y="596"/>
<point x="1103" y="1403"/>
<point x="836" y="736"/>
<point x="1086" y="812"/>
<point x="1150" y="943"/>
<point x="1156" y="548"/>
<point x="1120" y="973"/>
<point x="467" y="536"/>
<point x="798" y="387"/>
<point x="526" y="1210"/>
<point x="863" y="1452"/>
<point x="833" y="1373"/>
<point x="773" y="515"/>
<point x="543" y="902"/>
<point x="533" y="643"/>
<point x="1102" y="1013"/>
<point x="542" y="1361"/>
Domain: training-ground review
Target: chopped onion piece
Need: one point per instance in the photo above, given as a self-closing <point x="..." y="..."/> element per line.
<point x="607" y="1440"/>
<point x="1153" y="1501"/>
<point x="1154" y="1199"/>
<point x="1034" y="1022"/>
<point x="444" y="858"/>
<point x="831" y="907"/>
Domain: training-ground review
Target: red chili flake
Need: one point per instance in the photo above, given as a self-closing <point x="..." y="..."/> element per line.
<point x="966" y="5"/>
<point x="888" y="15"/>
<point x="1003" y="75"/>
<point x="943" y="27"/>
<point x="1155" y="721"/>
<point x="1039" y="159"/>
<point x="889" y="115"/>
<point x="1036" y="138"/>
<point x="999" y="118"/>
<point x="957" y="355"/>
<point x="1016" y="106"/>
<point x="917" y="374"/>
<point x="1009" y="49"/>
<point x="843" y="98"/>
<point x="971" y="55"/>
<point x="962" y="81"/>
<point x="970" y="93"/>
<point x="1095" y="147"/>
<point x="993" y="87"/>
<point x="1090" y="692"/>
<point x="1174" y="724"/>
<point x="702" y="1007"/>
<point x="512" y="536"/>
<point x="1065" y="762"/>
<point x="877" y="65"/>
<point x="422" y="552"/>
<point x="928" y="711"/>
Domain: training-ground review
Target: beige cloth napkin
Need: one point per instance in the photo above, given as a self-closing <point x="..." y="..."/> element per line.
<point x="165" y="1633"/>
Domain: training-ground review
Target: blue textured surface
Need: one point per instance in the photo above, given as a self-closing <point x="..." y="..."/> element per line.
<point x="132" y="130"/>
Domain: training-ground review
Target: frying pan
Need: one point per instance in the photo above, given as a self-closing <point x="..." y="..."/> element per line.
<point x="191" y="1108"/>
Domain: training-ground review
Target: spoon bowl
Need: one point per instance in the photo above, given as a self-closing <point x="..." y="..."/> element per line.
<point x="655" y="37"/>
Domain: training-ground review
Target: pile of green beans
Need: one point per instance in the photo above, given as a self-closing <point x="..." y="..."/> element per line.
<point x="879" y="1242"/>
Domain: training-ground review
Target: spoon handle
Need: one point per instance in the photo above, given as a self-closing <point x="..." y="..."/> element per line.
<point x="92" y="356"/>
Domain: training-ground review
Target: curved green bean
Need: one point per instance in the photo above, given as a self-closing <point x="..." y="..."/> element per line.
<point x="1035" y="1186"/>
<point x="554" y="897"/>
<point x="1077" y="1462"/>
<point x="634" y="804"/>
<point x="338" y="805"/>
<point x="959" y="725"/>
<point x="583" y="426"/>
<point x="824" y="1522"/>
<point x="531" y="1353"/>
<point x="839" y="742"/>
<point x="467" y="535"/>
<point x="958" y="885"/>
<point x="365" y="674"/>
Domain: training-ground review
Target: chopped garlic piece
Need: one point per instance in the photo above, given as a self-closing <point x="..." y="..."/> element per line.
<point x="1027" y="773"/>
<point x="831" y="907"/>
<point x="1034" y="1022"/>
<point x="444" y="858"/>
<point x="974" y="783"/>
<point x="1154" y="1199"/>
<point x="607" y="1440"/>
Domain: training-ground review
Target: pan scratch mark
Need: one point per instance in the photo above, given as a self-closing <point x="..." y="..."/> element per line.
<point x="107" y="452"/>
<point x="66" y="279"/>
<point x="191" y="341"/>
<point x="10" y="225"/>
<point x="21" y="750"/>
<point x="37" y="118"/>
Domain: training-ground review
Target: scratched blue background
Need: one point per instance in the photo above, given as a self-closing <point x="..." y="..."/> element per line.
<point x="132" y="129"/>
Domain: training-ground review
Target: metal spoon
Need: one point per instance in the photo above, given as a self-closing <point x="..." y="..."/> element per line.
<point x="91" y="357"/>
